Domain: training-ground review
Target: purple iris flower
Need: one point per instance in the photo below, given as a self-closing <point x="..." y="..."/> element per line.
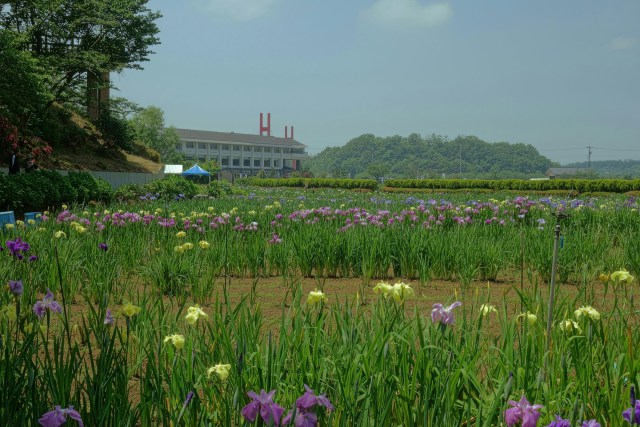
<point x="15" y="287"/>
<point x="33" y="258"/>
<point x="17" y="247"/>
<point x="591" y="423"/>
<point x="304" y="405"/>
<point x="263" y="403"/>
<point x="108" y="319"/>
<point x="47" y="302"/>
<point x="559" y="422"/>
<point x="303" y="419"/>
<point x="188" y="399"/>
<point x="522" y="412"/>
<point x="636" y="414"/>
<point x="444" y="314"/>
<point x="103" y="247"/>
<point x="58" y="416"/>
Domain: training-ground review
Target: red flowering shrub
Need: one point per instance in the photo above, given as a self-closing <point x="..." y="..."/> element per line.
<point x="25" y="147"/>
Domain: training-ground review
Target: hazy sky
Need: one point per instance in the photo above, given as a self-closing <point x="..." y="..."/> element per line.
<point x="559" y="75"/>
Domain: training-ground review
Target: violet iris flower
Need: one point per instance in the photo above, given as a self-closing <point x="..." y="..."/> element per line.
<point x="263" y="403"/>
<point x="444" y="314"/>
<point x="47" y="302"/>
<point x="103" y="247"/>
<point x="522" y="412"/>
<point x="304" y="406"/>
<point x="559" y="422"/>
<point x="636" y="414"/>
<point x="57" y="417"/>
<point x="188" y="399"/>
<point x="634" y="410"/>
<point x="108" y="319"/>
<point x="15" y="287"/>
<point x="591" y="423"/>
<point x="17" y="247"/>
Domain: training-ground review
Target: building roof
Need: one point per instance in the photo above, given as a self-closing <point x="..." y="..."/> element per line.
<point x="211" y="136"/>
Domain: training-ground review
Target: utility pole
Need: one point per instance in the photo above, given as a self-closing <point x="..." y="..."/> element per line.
<point x="460" y="174"/>
<point x="589" y="157"/>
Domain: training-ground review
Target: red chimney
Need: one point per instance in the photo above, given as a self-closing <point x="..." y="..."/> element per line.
<point x="286" y="132"/>
<point x="266" y="128"/>
<point x="291" y="132"/>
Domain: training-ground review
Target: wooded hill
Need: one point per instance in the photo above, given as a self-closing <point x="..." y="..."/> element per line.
<point x="611" y="168"/>
<point x="369" y="156"/>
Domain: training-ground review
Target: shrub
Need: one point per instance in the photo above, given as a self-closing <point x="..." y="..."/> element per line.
<point x="85" y="185"/>
<point x="219" y="189"/>
<point x="129" y="192"/>
<point x="104" y="192"/>
<point x="171" y="187"/>
<point x="116" y="131"/>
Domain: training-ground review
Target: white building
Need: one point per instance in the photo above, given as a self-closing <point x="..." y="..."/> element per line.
<point x="242" y="154"/>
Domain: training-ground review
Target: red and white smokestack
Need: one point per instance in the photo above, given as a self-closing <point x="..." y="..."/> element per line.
<point x="291" y="132"/>
<point x="286" y="132"/>
<point x="266" y="128"/>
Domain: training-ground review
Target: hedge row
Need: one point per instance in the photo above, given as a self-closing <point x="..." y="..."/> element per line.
<point x="346" y="184"/>
<point x="576" y="185"/>
<point x="42" y="190"/>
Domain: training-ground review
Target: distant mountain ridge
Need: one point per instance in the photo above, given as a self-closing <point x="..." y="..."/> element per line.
<point x="413" y="156"/>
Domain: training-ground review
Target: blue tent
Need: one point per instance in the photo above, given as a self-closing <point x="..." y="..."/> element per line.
<point x="195" y="170"/>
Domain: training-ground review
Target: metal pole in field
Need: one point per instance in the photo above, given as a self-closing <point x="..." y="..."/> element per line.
<point x="552" y="285"/>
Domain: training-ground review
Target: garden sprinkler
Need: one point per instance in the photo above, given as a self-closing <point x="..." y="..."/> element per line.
<point x="554" y="264"/>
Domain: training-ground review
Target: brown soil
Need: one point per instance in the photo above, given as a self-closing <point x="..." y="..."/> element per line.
<point x="274" y="293"/>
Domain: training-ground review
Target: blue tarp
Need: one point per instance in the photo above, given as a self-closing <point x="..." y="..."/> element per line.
<point x="195" y="170"/>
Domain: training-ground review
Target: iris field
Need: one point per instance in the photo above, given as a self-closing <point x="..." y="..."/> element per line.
<point x="131" y="314"/>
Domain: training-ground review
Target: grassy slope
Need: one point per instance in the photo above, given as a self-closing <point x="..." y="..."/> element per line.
<point x="85" y="150"/>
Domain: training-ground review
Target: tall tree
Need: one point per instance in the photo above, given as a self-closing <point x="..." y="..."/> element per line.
<point x="148" y="126"/>
<point x="23" y="92"/>
<point x="71" y="38"/>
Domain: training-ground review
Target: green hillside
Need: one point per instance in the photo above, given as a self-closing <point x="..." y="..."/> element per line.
<point x="611" y="168"/>
<point x="369" y="156"/>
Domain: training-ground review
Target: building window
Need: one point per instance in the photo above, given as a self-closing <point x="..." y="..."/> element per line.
<point x="236" y="161"/>
<point x="224" y="147"/>
<point x="276" y="150"/>
<point x="202" y="159"/>
<point x="287" y="150"/>
<point x="257" y="149"/>
<point x="189" y="144"/>
<point x="267" y="149"/>
<point x="256" y="163"/>
<point x="276" y="163"/>
<point x="225" y="161"/>
<point x="246" y="163"/>
<point x="213" y="146"/>
<point x="202" y="146"/>
<point x="178" y="147"/>
<point x="236" y="148"/>
<point x="267" y="163"/>
<point x="246" y="148"/>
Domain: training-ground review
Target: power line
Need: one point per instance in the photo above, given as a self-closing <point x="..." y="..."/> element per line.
<point x="615" y="149"/>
